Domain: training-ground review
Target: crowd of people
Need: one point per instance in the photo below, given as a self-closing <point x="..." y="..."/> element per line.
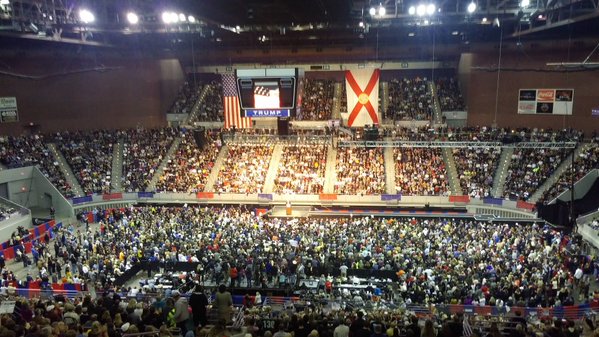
<point x="476" y="169"/>
<point x="317" y="100"/>
<point x="448" y="92"/>
<point x="143" y="152"/>
<point x="186" y="97"/>
<point x="244" y="169"/>
<point x="301" y="170"/>
<point x="409" y="99"/>
<point x="420" y="171"/>
<point x="529" y="169"/>
<point x="211" y="108"/>
<point x="89" y="153"/>
<point x="32" y="151"/>
<point x="586" y="161"/>
<point x="188" y="169"/>
<point x="360" y="171"/>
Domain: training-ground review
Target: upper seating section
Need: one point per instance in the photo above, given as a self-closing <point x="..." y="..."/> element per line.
<point x="89" y="153"/>
<point x="420" y="171"/>
<point x="360" y="171"/>
<point x="142" y="154"/>
<point x="189" y="167"/>
<point x="244" y="169"/>
<point x="317" y="100"/>
<point x="212" y="109"/>
<point x="448" y="92"/>
<point x="32" y="151"/>
<point x="409" y="99"/>
<point x="186" y="97"/>
<point x="301" y="170"/>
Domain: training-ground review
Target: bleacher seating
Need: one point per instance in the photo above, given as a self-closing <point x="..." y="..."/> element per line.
<point x="301" y="170"/>
<point x="420" y="171"/>
<point x="89" y="153"/>
<point x="32" y="151"/>
<point x="476" y="169"/>
<point x="142" y="154"/>
<point x="317" y="100"/>
<point x="360" y="171"/>
<point x="244" y="169"/>
<point x="189" y="167"/>
<point x="449" y="95"/>
<point x="409" y="99"/>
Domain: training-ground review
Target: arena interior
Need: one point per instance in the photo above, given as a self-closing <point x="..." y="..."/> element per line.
<point x="308" y="168"/>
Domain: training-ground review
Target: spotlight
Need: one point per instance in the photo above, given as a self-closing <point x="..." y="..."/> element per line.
<point x="411" y="34"/>
<point x="525" y="3"/>
<point x="372" y="11"/>
<point x="166" y="17"/>
<point x="471" y="7"/>
<point x="430" y="9"/>
<point x="484" y="20"/>
<point x="4" y="2"/>
<point x="191" y="19"/>
<point x="412" y="10"/>
<point x="182" y="17"/>
<point x="132" y="18"/>
<point x="361" y="24"/>
<point x="86" y="16"/>
<point x="174" y="17"/>
<point x="420" y="10"/>
<point x="382" y="10"/>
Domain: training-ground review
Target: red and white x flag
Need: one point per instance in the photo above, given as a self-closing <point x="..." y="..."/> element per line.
<point x="362" y="87"/>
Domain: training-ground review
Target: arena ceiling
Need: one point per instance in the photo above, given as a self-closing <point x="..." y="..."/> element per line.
<point x="258" y="23"/>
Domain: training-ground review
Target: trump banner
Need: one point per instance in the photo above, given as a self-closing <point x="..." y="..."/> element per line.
<point x="362" y="87"/>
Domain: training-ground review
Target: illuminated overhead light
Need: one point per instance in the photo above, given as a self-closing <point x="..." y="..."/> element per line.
<point x="86" y="16"/>
<point x="525" y="3"/>
<point x="4" y="2"/>
<point x="411" y="34"/>
<point x="372" y="11"/>
<point x="237" y="28"/>
<point x="361" y="24"/>
<point x="496" y="22"/>
<point x="541" y="17"/>
<point x="455" y="32"/>
<point x="484" y="20"/>
<point x="420" y="10"/>
<point x="425" y="22"/>
<point x="132" y="18"/>
<point x="430" y="9"/>
<point x="174" y="18"/>
<point x="382" y="10"/>
<point x="191" y="19"/>
<point x="471" y="7"/>
<point x="412" y="10"/>
<point x="166" y="17"/>
<point x="182" y="17"/>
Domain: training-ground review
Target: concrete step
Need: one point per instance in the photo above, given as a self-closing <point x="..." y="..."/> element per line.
<point x="504" y="164"/>
<point x="160" y="170"/>
<point x="66" y="169"/>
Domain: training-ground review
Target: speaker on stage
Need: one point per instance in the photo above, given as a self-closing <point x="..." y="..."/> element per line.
<point x="199" y="135"/>
<point x="283" y="126"/>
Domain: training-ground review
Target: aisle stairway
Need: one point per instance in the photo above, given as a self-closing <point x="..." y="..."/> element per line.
<point x="437" y="113"/>
<point x="330" y="176"/>
<point x="452" y="173"/>
<point x="562" y="168"/>
<point x="195" y="110"/>
<point x="273" y="166"/>
<point x="116" y="181"/>
<point x="500" y="175"/>
<point x="160" y="170"/>
<point x="338" y="91"/>
<point x="66" y="170"/>
<point x="384" y="100"/>
<point x="218" y="164"/>
<point x="389" y="170"/>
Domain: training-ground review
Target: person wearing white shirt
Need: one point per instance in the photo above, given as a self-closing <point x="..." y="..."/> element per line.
<point x="342" y="330"/>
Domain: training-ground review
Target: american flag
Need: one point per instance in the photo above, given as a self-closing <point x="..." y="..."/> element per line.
<point x="467" y="329"/>
<point x="239" y="320"/>
<point x="262" y="91"/>
<point x="231" y="104"/>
